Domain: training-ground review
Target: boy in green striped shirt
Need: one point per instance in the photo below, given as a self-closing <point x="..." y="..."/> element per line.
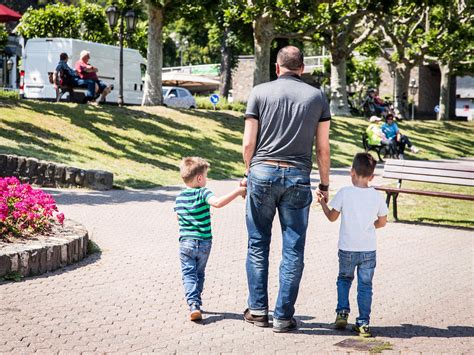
<point x="195" y="236"/>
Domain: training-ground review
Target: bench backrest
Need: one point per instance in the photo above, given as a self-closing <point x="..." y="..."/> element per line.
<point x="443" y="172"/>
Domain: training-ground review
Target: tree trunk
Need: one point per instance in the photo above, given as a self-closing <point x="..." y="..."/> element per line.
<point x="444" y="92"/>
<point x="263" y="33"/>
<point x="402" y="79"/>
<point x="226" y="66"/>
<point x="339" y="105"/>
<point x="152" y="94"/>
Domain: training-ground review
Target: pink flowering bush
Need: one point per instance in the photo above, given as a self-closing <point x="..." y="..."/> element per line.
<point x="24" y="210"/>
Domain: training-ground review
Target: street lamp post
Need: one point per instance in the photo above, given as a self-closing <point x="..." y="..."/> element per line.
<point x="9" y="70"/>
<point x="113" y="15"/>
<point x="413" y="90"/>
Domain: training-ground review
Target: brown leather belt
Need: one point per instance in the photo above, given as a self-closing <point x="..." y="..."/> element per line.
<point x="283" y="164"/>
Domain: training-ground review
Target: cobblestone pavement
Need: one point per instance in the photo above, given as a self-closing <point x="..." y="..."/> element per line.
<point x="130" y="297"/>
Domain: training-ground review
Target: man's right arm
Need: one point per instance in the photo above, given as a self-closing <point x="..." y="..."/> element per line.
<point x="249" y="141"/>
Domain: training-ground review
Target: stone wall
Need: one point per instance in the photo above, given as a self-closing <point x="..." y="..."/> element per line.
<point x="242" y="78"/>
<point x="35" y="256"/>
<point x="48" y="174"/>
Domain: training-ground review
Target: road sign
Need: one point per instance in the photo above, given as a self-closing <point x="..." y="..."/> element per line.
<point x="436" y="109"/>
<point x="214" y="99"/>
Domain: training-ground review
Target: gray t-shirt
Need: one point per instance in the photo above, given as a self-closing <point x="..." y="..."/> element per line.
<point x="288" y="111"/>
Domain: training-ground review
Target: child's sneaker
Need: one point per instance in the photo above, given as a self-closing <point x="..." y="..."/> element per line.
<point x="414" y="149"/>
<point x="341" y="320"/>
<point x="195" y="312"/>
<point x="363" y="330"/>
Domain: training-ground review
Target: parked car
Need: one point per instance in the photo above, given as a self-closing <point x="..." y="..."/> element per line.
<point x="178" y="97"/>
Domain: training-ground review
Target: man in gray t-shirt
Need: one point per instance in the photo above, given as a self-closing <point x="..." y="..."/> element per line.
<point x="283" y="119"/>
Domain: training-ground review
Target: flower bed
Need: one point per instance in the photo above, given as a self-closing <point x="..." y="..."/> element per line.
<point x="33" y="236"/>
<point x="25" y="211"/>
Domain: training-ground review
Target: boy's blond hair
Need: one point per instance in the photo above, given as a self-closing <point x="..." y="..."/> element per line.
<point x="190" y="167"/>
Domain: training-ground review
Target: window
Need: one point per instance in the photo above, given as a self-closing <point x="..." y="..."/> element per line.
<point x="173" y="92"/>
<point x="143" y="71"/>
<point x="183" y="93"/>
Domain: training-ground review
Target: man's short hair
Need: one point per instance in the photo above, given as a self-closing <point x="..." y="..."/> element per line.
<point x="84" y="53"/>
<point x="191" y="167"/>
<point x="364" y="164"/>
<point x="290" y="57"/>
<point x="63" y="56"/>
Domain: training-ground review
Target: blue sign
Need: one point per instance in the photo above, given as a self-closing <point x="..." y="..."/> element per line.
<point x="436" y="109"/>
<point x="214" y="98"/>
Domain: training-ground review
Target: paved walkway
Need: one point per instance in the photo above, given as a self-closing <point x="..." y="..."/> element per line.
<point x="130" y="298"/>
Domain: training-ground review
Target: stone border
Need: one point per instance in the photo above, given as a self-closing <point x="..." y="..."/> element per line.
<point x="48" y="174"/>
<point x="66" y="245"/>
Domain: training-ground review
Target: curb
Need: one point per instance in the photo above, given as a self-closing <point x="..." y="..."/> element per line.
<point x="65" y="246"/>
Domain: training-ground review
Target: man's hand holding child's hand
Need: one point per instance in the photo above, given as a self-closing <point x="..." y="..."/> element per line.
<point x="320" y="197"/>
<point x="243" y="191"/>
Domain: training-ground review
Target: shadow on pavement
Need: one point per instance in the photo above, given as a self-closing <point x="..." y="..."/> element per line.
<point x="411" y="331"/>
<point x="88" y="197"/>
<point x="212" y="317"/>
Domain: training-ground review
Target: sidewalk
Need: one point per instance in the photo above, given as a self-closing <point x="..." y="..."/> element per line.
<point x="130" y="298"/>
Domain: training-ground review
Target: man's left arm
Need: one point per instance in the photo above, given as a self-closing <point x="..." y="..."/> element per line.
<point x="323" y="151"/>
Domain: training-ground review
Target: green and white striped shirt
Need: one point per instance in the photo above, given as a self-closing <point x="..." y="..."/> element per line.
<point x="194" y="215"/>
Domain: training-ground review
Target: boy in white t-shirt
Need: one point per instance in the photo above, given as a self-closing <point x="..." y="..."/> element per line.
<point x="363" y="210"/>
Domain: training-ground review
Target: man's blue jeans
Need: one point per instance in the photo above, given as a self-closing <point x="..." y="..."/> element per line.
<point x="194" y="255"/>
<point x="365" y="263"/>
<point x="88" y="84"/>
<point x="271" y="188"/>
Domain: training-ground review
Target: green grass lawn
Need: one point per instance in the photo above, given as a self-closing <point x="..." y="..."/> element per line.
<point x="435" y="210"/>
<point x="143" y="146"/>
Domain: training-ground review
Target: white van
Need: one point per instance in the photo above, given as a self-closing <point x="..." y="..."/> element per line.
<point x="41" y="56"/>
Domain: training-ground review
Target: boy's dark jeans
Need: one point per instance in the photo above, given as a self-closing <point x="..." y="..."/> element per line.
<point x="193" y="255"/>
<point x="365" y="263"/>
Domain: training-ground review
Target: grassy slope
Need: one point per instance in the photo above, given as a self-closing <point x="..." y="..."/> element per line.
<point x="143" y="146"/>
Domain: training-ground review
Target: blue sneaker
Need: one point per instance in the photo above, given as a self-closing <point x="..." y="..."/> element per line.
<point x="195" y="312"/>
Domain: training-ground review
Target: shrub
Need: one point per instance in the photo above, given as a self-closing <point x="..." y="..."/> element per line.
<point x="25" y="211"/>
<point x="203" y="102"/>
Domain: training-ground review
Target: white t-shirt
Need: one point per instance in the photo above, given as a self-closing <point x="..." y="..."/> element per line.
<point x="359" y="208"/>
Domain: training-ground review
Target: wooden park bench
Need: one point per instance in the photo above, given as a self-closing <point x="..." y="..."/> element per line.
<point x="63" y="89"/>
<point x="442" y="172"/>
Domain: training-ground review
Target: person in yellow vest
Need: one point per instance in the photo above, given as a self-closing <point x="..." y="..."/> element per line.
<point x="375" y="136"/>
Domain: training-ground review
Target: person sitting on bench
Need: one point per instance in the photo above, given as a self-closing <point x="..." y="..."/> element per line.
<point x="64" y="77"/>
<point x="392" y="132"/>
<point x="89" y="72"/>
<point x="375" y="136"/>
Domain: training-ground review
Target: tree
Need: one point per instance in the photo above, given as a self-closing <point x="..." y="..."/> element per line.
<point x="403" y="42"/>
<point x="341" y="26"/>
<point x="271" y="20"/>
<point x="152" y="93"/>
<point x="3" y="37"/>
<point x="93" y="24"/>
<point x="451" y="45"/>
<point x="54" y="20"/>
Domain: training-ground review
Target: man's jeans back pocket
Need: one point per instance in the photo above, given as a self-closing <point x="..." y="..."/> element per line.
<point x="301" y="196"/>
<point x="260" y="190"/>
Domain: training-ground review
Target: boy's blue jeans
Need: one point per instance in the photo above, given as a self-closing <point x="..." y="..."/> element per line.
<point x="365" y="263"/>
<point x="194" y="254"/>
<point x="271" y="188"/>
